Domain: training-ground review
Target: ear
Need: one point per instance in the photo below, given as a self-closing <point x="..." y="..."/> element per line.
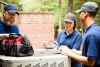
<point x="4" y="11"/>
<point x="86" y="14"/>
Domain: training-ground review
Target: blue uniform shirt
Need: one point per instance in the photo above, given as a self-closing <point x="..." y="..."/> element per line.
<point x="91" y="43"/>
<point x="72" y="40"/>
<point x="4" y="29"/>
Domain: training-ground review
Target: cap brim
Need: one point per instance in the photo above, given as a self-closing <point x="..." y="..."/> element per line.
<point x="13" y="11"/>
<point x="78" y="11"/>
<point x="68" y="20"/>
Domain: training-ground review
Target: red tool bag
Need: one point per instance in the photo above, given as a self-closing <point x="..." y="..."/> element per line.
<point x="16" y="45"/>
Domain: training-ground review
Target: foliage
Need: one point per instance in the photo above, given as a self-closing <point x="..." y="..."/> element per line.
<point x="77" y="6"/>
<point x="52" y="6"/>
<point x="16" y="2"/>
<point x="42" y="6"/>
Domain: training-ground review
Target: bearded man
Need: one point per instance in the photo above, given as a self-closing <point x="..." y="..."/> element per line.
<point x="7" y="24"/>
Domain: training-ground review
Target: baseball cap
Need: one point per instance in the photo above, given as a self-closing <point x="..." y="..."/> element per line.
<point x="70" y="17"/>
<point x="88" y="6"/>
<point x="11" y="8"/>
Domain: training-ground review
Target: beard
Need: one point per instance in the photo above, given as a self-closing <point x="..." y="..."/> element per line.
<point x="8" y="21"/>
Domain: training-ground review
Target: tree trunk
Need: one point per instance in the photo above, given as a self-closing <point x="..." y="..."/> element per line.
<point x="60" y="27"/>
<point x="70" y="5"/>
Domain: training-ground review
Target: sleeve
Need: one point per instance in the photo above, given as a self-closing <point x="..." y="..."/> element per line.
<point x="58" y="38"/>
<point x="78" y="42"/>
<point x="93" y="46"/>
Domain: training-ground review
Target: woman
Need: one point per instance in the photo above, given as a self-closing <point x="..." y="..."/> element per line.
<point x="70" y="37"/>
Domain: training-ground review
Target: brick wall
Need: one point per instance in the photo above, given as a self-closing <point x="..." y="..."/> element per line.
<point x="39" y="27"/>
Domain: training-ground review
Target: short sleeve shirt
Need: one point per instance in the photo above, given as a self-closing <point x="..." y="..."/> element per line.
<point x="72" y="40"/>
<point x="91" y="43"/>
<point x="8" y="29"/>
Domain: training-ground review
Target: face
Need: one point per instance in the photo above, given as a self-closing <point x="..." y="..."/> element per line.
<point x="9" y="18"/>
<point x="82" y="16"/>
<point x="69" y="25"/>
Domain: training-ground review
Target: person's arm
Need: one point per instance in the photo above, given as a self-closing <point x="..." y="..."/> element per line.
<point x="77" y="52"/>
<point x="82" y="59"/>
<point x="58" y="38"/>
<point x="4" y="36"/>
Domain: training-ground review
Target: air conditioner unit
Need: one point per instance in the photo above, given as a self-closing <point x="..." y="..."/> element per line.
<point x="41" y="58"/>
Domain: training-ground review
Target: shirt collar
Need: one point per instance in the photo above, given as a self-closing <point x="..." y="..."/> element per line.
<point x="92" y="25"/>
<point x="69" y="34"/>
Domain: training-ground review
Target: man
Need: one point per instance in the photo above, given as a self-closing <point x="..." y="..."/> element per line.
<point x="90" y="55"/>
<point x="7" y="25"/>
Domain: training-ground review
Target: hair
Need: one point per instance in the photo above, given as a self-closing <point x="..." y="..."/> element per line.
<point x="93" y="14"/>
<point x="74" y="25"/>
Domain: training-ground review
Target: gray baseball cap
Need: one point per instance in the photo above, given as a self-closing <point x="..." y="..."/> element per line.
<point x="88" y="6"/>
<point x="70" y="17"/>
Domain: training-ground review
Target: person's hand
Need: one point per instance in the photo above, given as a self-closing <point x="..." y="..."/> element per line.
<point x="64" y="50"/>
<point x="6" y="35"/>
